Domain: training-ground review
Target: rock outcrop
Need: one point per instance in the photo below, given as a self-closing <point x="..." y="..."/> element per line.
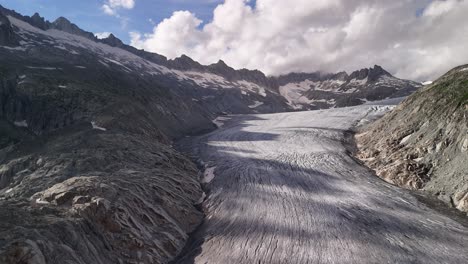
<point x="65" y="25"/>
<point x="423" y="143"/>
<point x="92" y="196"/>
<point x="7" y="37"/>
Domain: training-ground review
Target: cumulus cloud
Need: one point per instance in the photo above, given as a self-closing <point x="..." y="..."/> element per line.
<point x="415" y="39"/>
<point x="110" y="7"/>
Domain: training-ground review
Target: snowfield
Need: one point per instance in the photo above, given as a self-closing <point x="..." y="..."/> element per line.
<point x="288" y="191"/>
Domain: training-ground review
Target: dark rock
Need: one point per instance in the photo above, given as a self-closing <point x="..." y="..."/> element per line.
<point x="7" y="36"/>
<point x="184" y="62"/>
<point x="39" y="22"/>
<point x="64" y="24"/>
<point x="113" y="41"/>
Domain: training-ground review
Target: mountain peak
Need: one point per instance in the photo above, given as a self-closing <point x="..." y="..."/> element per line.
<point x="39" y="21"/>
<point x="221" y="63"/>
<point x="37" y="16"/>
<point x="376" y="72"/>
<point x="65" y="25"/>
<point x="184" y="62"/>
<point x="62" y="21"/>
<point x="112" y="40"/>
<point x="223" y="69"/>
<point x="372" y="74"/>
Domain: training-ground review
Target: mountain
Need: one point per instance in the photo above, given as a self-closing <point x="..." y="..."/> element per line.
<point x="238" y="90"/>
<point x="88" y="173"/>
<point x="423" y="143"/>
<point x="318" y="91"/>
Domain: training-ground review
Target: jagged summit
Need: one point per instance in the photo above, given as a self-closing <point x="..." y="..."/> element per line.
<point x="65" y="25"/>
<point x="184" y="62"/>
<point x="371" y="73"/>
<point x="220" y="64"/>
<point x="223" y="69"/>
<point x="113" y="41"/>
<point x="39" y="21"/>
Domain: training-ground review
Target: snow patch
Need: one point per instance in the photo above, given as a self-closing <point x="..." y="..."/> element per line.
<point x="294" y="93"/>
<point x="22" y="123"/>
<point x="39" y="201"/>
<point x="62" y="86"/>
<point x="330" y="102"/>
<point x="256" y="104"/>
<point x="427" y="83"/>
<point x="251" y="87"/>
<point x="358" y="82"/>
<point x="208" y="175"/>
<point x="219" y="121"/>
<point x="95" y="126"/>
<point x="352" y="90"/>
<point x="43" y="68"/>
<point x="19" y="48"/>
<point x="206" y="80"/>
<point x="9" y="190"/>
<point x="80" y="67"/>
<point x="405" y="139"/>
<point x="464" y="69"/>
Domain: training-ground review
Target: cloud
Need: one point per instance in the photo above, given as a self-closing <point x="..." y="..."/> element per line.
<point x="328" y="35"/>
<point x="180" y="29"/>
<point x="110" y="7"/>
<point x="102" y="35"/>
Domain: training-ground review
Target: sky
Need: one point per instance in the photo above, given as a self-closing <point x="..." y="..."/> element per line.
<point x="412" y="39"/>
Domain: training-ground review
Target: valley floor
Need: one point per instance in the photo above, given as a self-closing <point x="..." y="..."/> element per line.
<point x="284" y="188"/>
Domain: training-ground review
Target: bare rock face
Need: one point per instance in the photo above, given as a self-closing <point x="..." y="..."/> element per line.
<point x="422" y="144"/>
<point x="7" y="37"/>
<point x="65" y="25"/>
<point x="96" y="197"/>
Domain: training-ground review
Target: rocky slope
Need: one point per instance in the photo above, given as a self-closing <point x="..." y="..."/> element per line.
<point x="423" y="143"/>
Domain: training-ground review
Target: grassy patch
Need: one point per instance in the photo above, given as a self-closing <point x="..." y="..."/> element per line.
<point x="464" y="91"/>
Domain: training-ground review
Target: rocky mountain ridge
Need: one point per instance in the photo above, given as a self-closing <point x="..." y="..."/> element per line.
<point x="300" y="91"/>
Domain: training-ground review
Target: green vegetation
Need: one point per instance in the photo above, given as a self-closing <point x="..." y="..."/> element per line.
<point x="454" y="88"/>
<point x="464" y="92"/>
